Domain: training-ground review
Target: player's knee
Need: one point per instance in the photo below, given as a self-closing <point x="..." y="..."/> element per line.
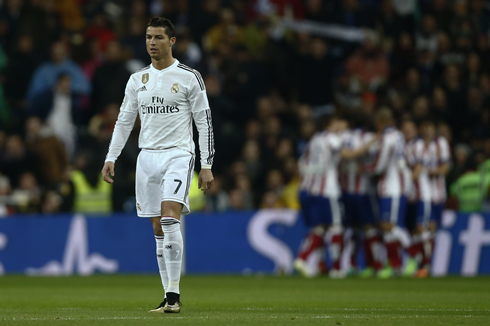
<point x="419" y="228"/>
<point x="433" y="226"/>
<point x="386" y="226"/>
<point x="157" y="227"/>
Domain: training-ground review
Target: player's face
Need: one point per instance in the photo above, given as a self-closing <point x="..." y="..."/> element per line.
<point x="428" y="130"/>
<point x="409" y="130"/>
<point x="158" y="44"/>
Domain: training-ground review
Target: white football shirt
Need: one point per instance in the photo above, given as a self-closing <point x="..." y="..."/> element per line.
<point x="319" y="165"/>
<point x="352" y="180"/>
<point x="390" y="164"/>
<point x="417" y="152"/>
<point x="439" y="153"/>
<point x="167" y="101"/>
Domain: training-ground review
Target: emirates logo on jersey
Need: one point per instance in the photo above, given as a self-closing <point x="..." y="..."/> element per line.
<point x="157" y="106"/>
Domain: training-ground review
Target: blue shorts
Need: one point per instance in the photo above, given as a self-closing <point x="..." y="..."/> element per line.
<point x="393" y="210"/>
<point x="358" y="210"/>
<point x="317" y="210"/>
<point x="411" y="216"/>
<point x="424" y="209"/>
<point x="436" y="213"/>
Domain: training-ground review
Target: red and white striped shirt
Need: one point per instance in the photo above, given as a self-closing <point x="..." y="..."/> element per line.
<point x="417" y="152"/>
<point x="352" y="180"/>
<point x="390" y="164"/>
<point x="439" y="153"/>
<point x="319" y="165"/>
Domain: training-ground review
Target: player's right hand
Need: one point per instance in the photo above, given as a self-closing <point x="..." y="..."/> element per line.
<point x="107" y="170"/>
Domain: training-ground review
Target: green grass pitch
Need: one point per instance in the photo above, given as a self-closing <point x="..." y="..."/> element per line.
<point x="245" y="300"/>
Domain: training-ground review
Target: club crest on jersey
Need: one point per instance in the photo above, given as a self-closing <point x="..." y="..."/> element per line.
<point x="175" y="88"/>
<point x="145" y="78"/>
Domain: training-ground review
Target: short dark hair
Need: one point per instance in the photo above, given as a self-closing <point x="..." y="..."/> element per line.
<point x="163" y="22"/>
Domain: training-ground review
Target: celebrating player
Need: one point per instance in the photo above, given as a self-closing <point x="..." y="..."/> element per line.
<point x="167" y="96"/>
<point x="417" y="154"/>
<point x="319" y="198"/>
<point x="390" y="166"/>
<point x="439" y="159"/>
<point x="358" y="197"/>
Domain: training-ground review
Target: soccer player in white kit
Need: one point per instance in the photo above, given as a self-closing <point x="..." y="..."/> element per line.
<point x="320" y="198"/>
<point x="418" y="158"/>
<point x="439" y="156"/>
<point x="394" y="176"/>
<point x="358" y="197"/>
<point x="167" y="96"/>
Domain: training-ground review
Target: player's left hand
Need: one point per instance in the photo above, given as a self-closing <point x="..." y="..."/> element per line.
<point x="206" y="180"/>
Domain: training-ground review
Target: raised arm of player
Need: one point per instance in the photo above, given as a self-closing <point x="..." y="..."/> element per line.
<point x="201" y="115"/>
<point x="122" y="130"/>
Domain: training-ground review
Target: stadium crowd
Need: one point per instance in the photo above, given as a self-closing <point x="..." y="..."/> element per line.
<point x="64" y="66"/>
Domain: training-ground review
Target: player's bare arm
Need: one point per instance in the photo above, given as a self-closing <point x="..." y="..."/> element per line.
<point x="108" y="172"/>
<point x="206" y="180"/>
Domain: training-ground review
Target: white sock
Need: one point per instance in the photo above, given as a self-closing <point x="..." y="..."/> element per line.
<point x="173" y="247"/>
<point x="161" y="262"/>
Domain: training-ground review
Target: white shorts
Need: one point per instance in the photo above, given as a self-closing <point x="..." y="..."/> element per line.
<point x="163" y="175"/>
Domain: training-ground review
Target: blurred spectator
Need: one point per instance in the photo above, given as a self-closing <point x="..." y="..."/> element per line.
<point x="243" y="183"/>
<point x="71" y="15"/>
<point x="40" y="20"/>
<point x="27" y="196"/>
<point x="100" y="30"/>
<point x="236" y="200"/>
<point x="16" y="159"/>
<point x="443" y="14"/>
<point x="6" y="208"/>
<point x="50" y="203"/>
<point x="251" y="159"/>
<point x="369" y="63"/>
<point x="216" y="198"/>
<point x="46" y="75"/>
<point x="186" y="50"/>
<point x="426" y="39"/>
<point x="50" y="152"/>
<point x="315" y="81"/>
<point x="269" y="200"/>
<point x="135" y="40"/>
<point x="110" y="78"/>
<point x="59" y="110"/>
<point x="91" y="194"/>
<point x="467" y="189"/>
<point x="227" y="31"/>
<point x="460" y="162"/>
<point x="19" y="72"/>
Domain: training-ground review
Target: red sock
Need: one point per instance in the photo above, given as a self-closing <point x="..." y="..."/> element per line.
<point x="310" y="243"/>
<point x="372" y="244"/>
<point x="393" y="251"/>
<point x="415" y="249"/>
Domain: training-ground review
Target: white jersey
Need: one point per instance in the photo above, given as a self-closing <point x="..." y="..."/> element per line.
<point x="319" y="165"/>
<point x="390" y="164"/>
<point x="417" y="152"/>
<point x="167" y="101"/>
<point x="439" y="153"/>
<point x="352" y="180"/>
